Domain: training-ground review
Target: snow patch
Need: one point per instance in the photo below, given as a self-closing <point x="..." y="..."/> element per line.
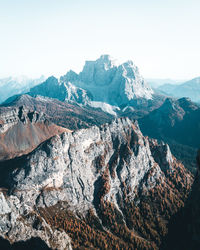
<point x="105" y="107"/>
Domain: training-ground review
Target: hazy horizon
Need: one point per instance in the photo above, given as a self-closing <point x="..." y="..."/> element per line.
<point x="51" y="37"/>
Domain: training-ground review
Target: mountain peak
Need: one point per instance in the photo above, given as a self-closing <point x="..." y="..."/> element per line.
<point x="102" y="80"/>
<point x="105" y="57"/>
<point x="104" y="62"/>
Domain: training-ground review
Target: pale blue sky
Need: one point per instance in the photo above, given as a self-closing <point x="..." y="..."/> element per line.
<point x="52" y="36"/>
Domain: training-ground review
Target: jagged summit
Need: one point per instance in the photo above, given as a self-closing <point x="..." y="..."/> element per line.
<point x="101" y="82"/>
<point x="109" y="82"/>
<point x="104" y="60"/>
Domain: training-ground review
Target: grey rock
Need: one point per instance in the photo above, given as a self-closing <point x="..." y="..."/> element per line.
<point x="69" y="167"/>
<point x="102" y="84"/>
<point x="4" y="208"/>
<point x="66" y="167"/>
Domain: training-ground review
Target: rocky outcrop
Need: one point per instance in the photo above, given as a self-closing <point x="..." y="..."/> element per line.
<point x="21" y="130"/>
<point x="20" y="223"/>
<point x="104" y="186"/>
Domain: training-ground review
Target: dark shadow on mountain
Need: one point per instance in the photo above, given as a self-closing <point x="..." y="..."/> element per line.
<point x="184" y="227"/>
<point x="31" y="244"/>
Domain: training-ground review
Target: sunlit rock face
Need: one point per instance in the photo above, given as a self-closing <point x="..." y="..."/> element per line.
<point x="109" y="82"/>
<point x="110" y="182"/>
<point x="103" y="83"/>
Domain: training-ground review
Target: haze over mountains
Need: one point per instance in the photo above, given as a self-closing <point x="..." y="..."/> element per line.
<point x="16" y="85"/>
<point x="155" y="83"/>
<point x="189" y="89"/>
<point x="77" y="171"/>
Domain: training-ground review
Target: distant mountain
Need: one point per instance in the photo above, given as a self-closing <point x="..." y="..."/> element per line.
<point x="111" y="83"/>
<point x="16" y="85"/>
<point x="155" y="83"/>
<point x="102" y="83"/>
<point x="189" y="89"/>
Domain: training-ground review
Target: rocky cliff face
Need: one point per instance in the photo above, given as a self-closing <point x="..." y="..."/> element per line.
<point x="101" y="83"/>
<point x="111" y="83"/>
<point x="21" y="130"/>
<point x="105" y="187"/>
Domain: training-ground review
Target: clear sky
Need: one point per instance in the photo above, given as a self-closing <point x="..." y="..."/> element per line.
<point x="52" y="36"/>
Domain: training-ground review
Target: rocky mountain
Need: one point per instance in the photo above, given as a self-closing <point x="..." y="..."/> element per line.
<point x="178" y="123"/>
<point x="22" y="130"/>
<point x="68" y="115"/>
<point x="105" y="187"/>
<point x="110" y="83"/>
<point x="189" y="89"/>
<point x="101" y="84"/>
<point x="17" y="85"/>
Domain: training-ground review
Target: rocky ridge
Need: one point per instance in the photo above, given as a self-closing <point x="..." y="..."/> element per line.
<point x="68" y="115"/>
<point x="104" y="186"/>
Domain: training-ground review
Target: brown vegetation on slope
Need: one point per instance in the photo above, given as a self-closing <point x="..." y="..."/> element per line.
<point x="139" y="223"/>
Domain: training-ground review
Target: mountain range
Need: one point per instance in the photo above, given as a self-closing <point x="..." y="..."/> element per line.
<point x="155" y="83"/>
<point x="78" y="171"/>
<point x="189" y="89"/>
